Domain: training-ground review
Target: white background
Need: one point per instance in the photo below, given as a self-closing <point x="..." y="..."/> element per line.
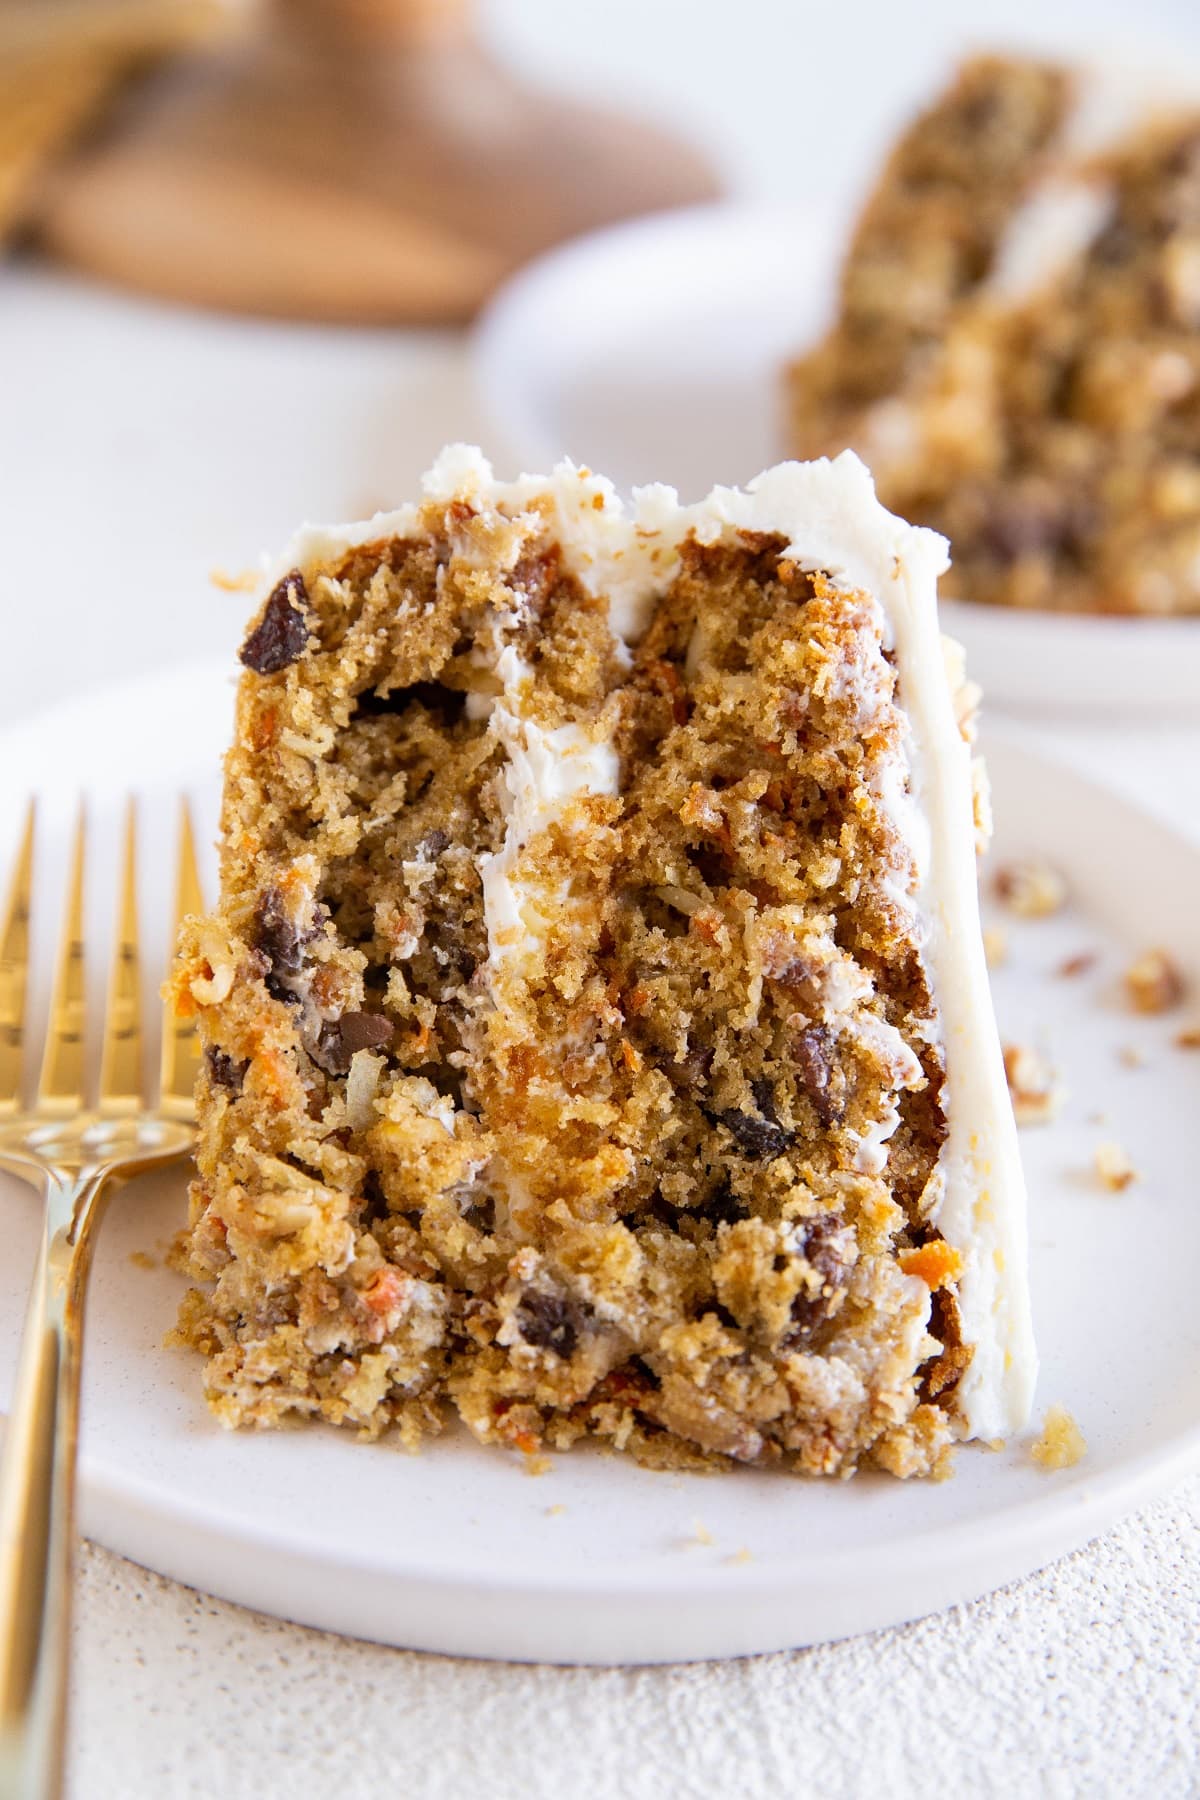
<point x="800" y="97"/>
<point x="139" y="447"/>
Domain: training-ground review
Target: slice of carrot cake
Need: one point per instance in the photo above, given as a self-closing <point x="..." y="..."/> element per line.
<point x="1017" y="349"/>
<point x="598" y="1036"/>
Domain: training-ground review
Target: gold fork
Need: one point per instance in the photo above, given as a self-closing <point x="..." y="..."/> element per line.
<point x="73" y="1152"/>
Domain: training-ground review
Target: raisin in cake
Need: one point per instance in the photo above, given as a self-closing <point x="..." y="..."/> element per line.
<point x="598" y="1038"/>
<point x="1017" y="351"/>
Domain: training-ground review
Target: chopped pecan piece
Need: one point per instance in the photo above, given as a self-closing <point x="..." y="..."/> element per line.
<point x="1031" y="889"/>
<point x="1114" y="1167"/>
<point x="1061" y="1444"/>
<point x="1036" y="1092"/>
<point x="1154" y="983"/>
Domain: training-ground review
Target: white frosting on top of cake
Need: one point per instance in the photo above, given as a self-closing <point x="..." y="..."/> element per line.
<point x="831" y="520"/>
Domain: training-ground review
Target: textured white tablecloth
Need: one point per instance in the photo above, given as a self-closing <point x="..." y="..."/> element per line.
<point x="1079" y="1681"/>
<point x="140" y="447"/>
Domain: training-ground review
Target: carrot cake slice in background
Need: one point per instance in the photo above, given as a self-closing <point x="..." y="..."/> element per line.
<point x="597" y="1029"/>
<point x="1017" y="349"/>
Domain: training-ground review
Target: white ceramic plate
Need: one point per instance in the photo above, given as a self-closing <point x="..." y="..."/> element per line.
<point x="459" y="1549"/>
<point x="653" y="352"/>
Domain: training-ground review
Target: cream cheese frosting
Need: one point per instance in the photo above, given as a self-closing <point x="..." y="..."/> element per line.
<point x="544" y="772"/>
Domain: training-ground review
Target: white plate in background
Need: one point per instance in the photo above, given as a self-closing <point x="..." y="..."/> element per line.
<point x="653" y="352"/>
<point x="597" y="1561"/>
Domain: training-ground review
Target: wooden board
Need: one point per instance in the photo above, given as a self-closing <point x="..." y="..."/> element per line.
<point x="363" y="162"/>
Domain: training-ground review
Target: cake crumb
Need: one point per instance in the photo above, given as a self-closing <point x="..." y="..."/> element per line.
<point x="1114" y="1167"/>
<point x="1079" y="964"/>
<point x="142" y="1259"/>
<point x="1188" y="1039"/>
<point x="556" y="1512"/>
<point x="1031" y="889"/>
<point x="1037" y="1094"/>
<point x="1153" y="983"/>
<point x="537" y="1465"/>
<point x="700" y="1534"/>
<point x="245" y="582"/>
<point x="1132" y="1056"/>
<point x="1061" y="1444"/>
<point x="741" y="1556"/>
<point x="995" y="946"/>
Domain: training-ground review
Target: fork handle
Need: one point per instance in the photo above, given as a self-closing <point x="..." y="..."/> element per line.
<point x="37" y="1498"/>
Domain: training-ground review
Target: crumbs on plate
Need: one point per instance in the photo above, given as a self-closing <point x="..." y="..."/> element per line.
<point x="1079" y="964"/>
<point x="1114" y="1166"/>
<point x="1061" y="1444"/>
<point x="1031" y="889"/>
<point x="1037" y="1093"/>
<point x="1154" y="983"/>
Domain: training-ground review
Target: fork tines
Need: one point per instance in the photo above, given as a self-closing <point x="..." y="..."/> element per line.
<point x="62" y="1082"/>
<point x="14" y="971"/>
<point x="180" y="1044"/>
<point x="121" y="1055"/>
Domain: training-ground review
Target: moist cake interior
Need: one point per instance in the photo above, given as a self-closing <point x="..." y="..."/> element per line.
<point x="571" y="1057"/>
